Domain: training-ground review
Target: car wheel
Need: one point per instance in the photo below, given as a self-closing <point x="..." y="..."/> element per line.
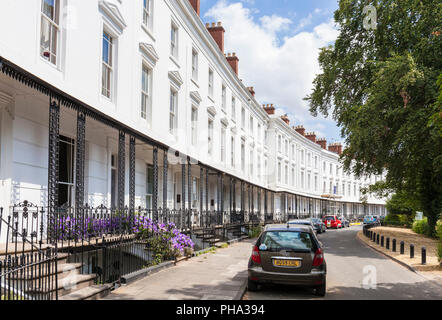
<point x="252" y="285"/>
<point x="321" y="290"/>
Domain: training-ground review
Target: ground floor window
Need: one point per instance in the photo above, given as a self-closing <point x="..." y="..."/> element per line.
<point x="114" y="180"/>
<point x="149" y="186"/>
<point x="66" y="171"/>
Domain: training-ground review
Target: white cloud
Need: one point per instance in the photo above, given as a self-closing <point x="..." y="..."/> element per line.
<point x="281" y="71"/>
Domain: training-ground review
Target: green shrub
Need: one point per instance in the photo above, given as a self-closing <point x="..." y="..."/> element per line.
<point x="439" y="229"/>
<point x="392" y="219"/>
<point x="421" y="226"/>
<point x="398" y="220"/>
<point x="255" y="232"/>
<point x="439" y="251"/>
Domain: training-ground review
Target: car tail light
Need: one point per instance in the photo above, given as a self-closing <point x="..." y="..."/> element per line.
<point x="319" y="258"/>
<point x="256" y="257"/>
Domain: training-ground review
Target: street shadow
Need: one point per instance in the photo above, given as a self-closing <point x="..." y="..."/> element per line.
<point x="425" y="290"/>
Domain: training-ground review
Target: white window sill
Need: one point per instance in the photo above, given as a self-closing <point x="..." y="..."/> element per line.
<point x="174" y="60"/>
<point x="195" y="82"/>
<point x="149" y="32"/>
<point x="54" y="66"/>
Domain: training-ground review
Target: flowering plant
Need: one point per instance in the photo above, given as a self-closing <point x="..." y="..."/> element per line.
<point x="165" y="240"/>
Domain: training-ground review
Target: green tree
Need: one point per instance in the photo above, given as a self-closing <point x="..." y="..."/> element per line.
<point x="380" y="85"/>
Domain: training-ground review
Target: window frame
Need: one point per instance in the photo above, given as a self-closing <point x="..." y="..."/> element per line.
<point x="146" y="96"/>
<point x="52" y="24"/>
<point x="106" y="66"/>
<point x="173" y="113"/>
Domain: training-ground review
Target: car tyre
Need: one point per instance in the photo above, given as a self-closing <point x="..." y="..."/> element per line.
<point x="321" y="290"/>
<point x="252" y="285"/>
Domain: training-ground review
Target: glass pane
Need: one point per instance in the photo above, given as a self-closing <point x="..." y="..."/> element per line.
<point x="287" y="240"/>
<point x="48" y="8"/>
<point x="149" y="182"/>
<point x="45" y="38"/>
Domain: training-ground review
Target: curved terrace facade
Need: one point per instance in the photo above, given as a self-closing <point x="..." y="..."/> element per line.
<point x="136" y="104"/>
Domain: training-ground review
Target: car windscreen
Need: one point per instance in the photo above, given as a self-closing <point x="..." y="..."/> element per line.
<point x="287" y="240"/>
<point x="305" y="223"/>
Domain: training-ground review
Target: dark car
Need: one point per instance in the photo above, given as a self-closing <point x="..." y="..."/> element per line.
<point x="305" y="222"/>
<point x="345" y="223"/>
<point x="288" y="254"/>
<point x="319" y="225"/>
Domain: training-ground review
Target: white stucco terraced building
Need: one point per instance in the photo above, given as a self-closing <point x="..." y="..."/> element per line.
<point x="132" y="102"/>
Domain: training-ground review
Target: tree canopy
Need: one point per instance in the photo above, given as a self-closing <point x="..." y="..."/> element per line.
<point x="381" y="87"/>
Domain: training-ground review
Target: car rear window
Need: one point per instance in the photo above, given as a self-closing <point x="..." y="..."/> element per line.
<point x="287" y="240"/>
<point x="329" y="218"/>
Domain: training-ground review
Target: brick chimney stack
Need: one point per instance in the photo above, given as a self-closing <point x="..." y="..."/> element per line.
<point x="269" y="108"/>
<point x="323" y="143"/>
<point x="300" y="130"/>
<point x="311" y="136"/>
<point x="251" y="90"/>
<point x="285" y="119"/>
<point x="233" y="60"/>
<point x="217" y="31"/>
<point x="196" y="5"/>
<point x="336" y="148"/>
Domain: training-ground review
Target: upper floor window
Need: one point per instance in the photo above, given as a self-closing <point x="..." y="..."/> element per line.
<point x="223" y="144"/>
<point x="173" y="111"/>
<point x="279" y="143"/>
<point x="50" y="29"/>
<point x="259" y="132"/>
<point x="279" y="172"/>
<point x="243" y="117"/>
<point x="251" y="125"/>
<point x="251" y="162"/>
<point x="107" y="68"/>
<point x="232" y="151"/>
<point x="210" y="83"/>
<point x="286" y="147"/>
<point x="147" y="13"/>
<point x="243" y="156"/>
<point x="233" y="108"/>
<point x="223" y="97"/>
<point x="145" y="92"/>
<point x="194" y="65"/>
<point x="174" y="41"/>
<point x="194" y="125"/>
<point x="331" y="169"/>
<point x="210" y="136"/>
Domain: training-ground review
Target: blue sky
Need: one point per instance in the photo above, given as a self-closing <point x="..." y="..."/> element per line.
<point x="279" y="40"/>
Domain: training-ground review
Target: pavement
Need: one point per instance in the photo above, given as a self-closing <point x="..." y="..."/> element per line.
<point x="221" y="275"/>
<point x="357" y="272"/>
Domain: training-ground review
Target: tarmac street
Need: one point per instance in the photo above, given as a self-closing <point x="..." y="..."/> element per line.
<point x="355" y="271"/>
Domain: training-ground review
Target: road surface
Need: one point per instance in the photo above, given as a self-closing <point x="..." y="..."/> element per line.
<point x="355" y="271"/>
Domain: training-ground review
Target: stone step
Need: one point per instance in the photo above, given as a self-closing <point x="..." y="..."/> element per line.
<point x="93" y="292"/>
<point x="67" y="285"/>
<point x="63" y="270"/>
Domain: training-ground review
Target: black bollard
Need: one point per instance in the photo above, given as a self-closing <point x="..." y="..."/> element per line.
<point x="394" y="245"/>
<point x="424" y="255"/>
<point x="382" y="241"/>
<point x="387" y="245"/>
<point x="402" y="247"/>
<point x="411" y="251"/>
<point x="377" y="239"/>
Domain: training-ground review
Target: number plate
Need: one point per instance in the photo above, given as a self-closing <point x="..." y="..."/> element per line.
<point x="286" y="263"/>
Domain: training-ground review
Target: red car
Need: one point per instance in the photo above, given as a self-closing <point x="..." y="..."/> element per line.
<point x="332" y="222"/>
